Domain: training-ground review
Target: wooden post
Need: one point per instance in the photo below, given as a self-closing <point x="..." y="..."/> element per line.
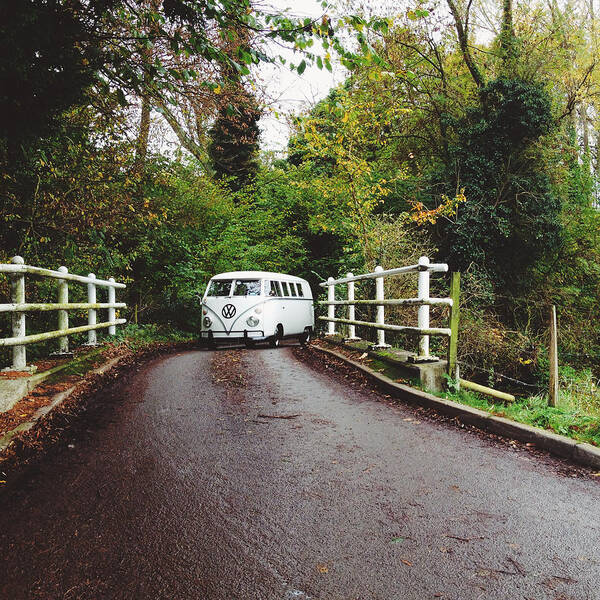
<point x="92" y="337"/>
<point x="423" y="315"/>
<point x="63" y="315"/>
<point x="454" y="320"/>
<point x="351" y="310"/>
<point x="112" y="330"/>
<point x="19" y="353"/>
<point x="553" y="356"/>
<point x="331" y="307"/>
<point x="380" y="318"/>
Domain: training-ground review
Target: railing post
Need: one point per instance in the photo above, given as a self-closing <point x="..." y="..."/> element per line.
<point x="63" y="315"/>
<point x="553" y="392"/>
<point x="92" y="337"/>
<point x="112" y="330"/>
<point x="19" y="353"/>
<point x="351" y="310"/>
<point x="380" y="320"/>
<point x="453" y="370"/>
<point x="423" y="294"/>
<point x="331" y="308"/>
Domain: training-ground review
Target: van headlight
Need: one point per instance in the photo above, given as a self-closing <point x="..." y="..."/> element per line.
<point x="207" y="322"/>
<point x="252" y="321"/>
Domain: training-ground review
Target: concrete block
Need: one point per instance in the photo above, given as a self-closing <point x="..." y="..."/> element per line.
<point x="588" y="455"/>
<point x="11" y="391"/>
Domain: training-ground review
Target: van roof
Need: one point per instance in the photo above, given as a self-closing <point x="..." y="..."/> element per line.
<point x="257" y="275"/>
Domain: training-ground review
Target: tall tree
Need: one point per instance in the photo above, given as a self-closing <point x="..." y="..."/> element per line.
<point x="233" y="146"/>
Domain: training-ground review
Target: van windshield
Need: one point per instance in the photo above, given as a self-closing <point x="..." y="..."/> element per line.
<point x="247" y="287"/>
<point x="220" y="287"/>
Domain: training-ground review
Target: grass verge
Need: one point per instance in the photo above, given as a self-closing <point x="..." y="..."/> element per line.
<point x="564" y="419"/>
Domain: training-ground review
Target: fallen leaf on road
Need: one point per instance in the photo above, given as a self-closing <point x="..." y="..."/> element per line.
<point x="397" y="540"/>
<point x="323" y="569"/>
<point x="462" y="539"/>
<point x="406" y="562"/>
<point x="564" y="579"/>
<point x="264" y="416"/>
<point x="517" y="565"/>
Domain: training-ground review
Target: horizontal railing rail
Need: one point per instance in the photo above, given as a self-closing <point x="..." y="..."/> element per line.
<point x="49" y="307"/>
<point x="392" y="302"/>
<point x="441" y="268"/>
<point x="19" y="308"/>
<point x="49" y="335"/>
<point x="388" y="327"/>
<point x="423" y="302"/>
<point x="64" y="275"/>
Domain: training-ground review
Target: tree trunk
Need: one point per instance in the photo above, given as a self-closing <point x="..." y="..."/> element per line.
<point x="463" y="40"/>
<point x="141" y="146"/>
<point x="583" y="121"/>
<point x="508" y="40"/>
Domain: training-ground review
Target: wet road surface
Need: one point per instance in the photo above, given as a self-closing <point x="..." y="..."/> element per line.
<point x="184" y="490"/>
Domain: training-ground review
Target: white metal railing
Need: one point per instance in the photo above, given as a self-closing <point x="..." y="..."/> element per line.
<point x="17" y="270"/>
<point x="423" y="301"/>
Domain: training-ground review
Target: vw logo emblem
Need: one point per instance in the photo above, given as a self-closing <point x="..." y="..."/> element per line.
<point x="228" y="311"/>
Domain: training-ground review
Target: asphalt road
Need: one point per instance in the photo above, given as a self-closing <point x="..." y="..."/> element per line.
<point x="183" y="490"/>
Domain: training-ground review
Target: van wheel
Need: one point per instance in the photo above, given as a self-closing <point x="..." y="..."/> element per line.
<point x="306" y="336"/>
<point x="274" y="341"/>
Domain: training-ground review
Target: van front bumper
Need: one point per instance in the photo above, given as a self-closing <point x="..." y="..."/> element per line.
<point x="222" y="336"/>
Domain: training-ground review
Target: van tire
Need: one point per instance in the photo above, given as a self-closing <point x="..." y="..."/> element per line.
<point x="306" y="336"/>
<point x="274" y="341"/>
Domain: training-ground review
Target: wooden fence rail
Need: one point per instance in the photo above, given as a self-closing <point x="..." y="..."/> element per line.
<point x="19" y="308"/>
<point x="423" y="301"/>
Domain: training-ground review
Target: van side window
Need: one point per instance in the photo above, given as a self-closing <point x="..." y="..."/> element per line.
<point x="286" y="291"/>
<point x="293" y="289"/>
<point x="300" y="290"/>
<point x="275" y="289"/>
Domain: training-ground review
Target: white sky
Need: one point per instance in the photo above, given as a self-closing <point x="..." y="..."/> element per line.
<point x="293" y="93"/>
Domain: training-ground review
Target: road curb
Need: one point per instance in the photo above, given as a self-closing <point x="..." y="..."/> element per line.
<point x="14" y="390"/>
<point x="558" y="445"/>
<point x="57" y="399"/>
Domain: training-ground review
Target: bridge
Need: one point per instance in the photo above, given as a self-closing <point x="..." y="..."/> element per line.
<point x="285" y="474"/>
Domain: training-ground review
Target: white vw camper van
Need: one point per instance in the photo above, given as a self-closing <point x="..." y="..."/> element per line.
<point x="253" y="306"/>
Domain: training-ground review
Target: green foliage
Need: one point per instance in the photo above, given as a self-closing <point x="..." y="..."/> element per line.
<point x="137" y="336"/>
<point x="565" y="419"/>
<point x="47" y="65"/>
<point x="511" y="218"/>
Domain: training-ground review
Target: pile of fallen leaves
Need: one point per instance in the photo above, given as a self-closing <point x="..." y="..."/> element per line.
<point x="227" y="369"/>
